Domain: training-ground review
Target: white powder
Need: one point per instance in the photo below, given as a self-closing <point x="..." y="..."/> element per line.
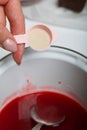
<point x="39" y="39"/>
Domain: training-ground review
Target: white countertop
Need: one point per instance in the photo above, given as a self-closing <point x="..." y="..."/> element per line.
<point x="48" y="11"/>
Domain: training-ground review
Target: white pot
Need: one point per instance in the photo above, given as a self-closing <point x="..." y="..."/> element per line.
<point x="59" y="68"/>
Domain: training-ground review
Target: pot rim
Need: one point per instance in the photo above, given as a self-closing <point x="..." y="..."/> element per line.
<point x="54" y="46"/>
<point x="80" y="59"/>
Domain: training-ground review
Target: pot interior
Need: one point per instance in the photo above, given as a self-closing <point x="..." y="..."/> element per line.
<point x="55" y="67"/>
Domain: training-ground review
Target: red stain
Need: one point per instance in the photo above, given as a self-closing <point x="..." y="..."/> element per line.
<point x="59" y="82"/>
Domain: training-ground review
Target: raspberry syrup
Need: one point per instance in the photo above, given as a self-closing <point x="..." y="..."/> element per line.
<point x="16" y="115"/>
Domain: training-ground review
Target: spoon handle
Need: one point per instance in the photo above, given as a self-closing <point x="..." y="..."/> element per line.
<point x="23" y="38"/>
<point x="37" y="127"/>
<point x="55" y="36"/>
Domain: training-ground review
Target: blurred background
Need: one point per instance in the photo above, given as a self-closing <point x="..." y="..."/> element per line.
<point x="65" y="13"/>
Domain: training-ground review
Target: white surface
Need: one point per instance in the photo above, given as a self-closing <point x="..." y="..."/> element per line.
<point x="48" y="11"/>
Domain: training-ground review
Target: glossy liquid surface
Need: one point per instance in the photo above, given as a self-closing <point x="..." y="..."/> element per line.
<point x="49" y="105"/>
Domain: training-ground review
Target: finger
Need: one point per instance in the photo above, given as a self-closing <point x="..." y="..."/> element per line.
<point x="3" y="2"/>
<point x="15" y="15"/>
<point x="6" y="39"/>
<point x="2" y="16"/>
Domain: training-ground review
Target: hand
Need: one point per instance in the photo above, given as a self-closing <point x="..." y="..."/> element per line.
<point x="13" y="11"/>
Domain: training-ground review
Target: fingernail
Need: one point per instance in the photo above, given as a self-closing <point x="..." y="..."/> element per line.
<point x="19" y="53"/>
<point x="9" y="45"/>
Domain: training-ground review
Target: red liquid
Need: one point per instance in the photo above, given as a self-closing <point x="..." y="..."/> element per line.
<point x="50" y="105"/>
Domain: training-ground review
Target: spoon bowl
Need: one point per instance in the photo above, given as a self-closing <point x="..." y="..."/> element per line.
<point x="41" y="122"/>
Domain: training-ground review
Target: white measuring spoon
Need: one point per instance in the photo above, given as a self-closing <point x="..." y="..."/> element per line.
<point x="39" y="37"/>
